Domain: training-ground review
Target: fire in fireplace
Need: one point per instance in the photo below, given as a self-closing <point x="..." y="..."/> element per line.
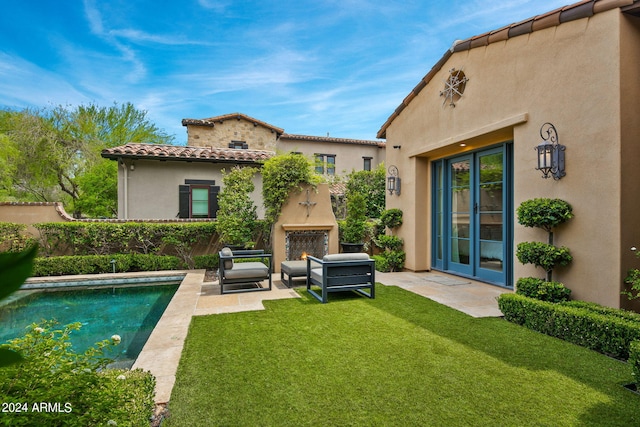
<point x="299" y="244"/>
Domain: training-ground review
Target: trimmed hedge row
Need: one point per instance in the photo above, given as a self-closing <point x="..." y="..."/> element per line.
<point x="580" y="324"/>
<point x="541" y="289"/>
<point x="94" y="264"/>
<point x="634" y="361"/>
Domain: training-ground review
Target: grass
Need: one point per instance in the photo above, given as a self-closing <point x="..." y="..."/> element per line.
<point x="399" y="360"/>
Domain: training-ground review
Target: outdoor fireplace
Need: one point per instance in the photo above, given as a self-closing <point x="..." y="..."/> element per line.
<point x="299" y="243"/>
<point x="306" y="224"/>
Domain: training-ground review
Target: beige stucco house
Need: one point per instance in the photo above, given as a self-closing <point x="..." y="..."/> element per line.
<point x="168" y="182"/>
<point x="464" y="141"/>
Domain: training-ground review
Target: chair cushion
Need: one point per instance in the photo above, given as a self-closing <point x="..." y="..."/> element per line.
<point x="346" y="257"/>
<point x="316" y="274"/>
<point x="247" y="270"/>
<point x="228" y="263"/>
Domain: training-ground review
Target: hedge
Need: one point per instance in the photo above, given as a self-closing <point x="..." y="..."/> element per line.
<point x="533" y="287"/>
<point x="605" y="333"/>
<point x="634" y="361"/>
<point x="93" y="264"/>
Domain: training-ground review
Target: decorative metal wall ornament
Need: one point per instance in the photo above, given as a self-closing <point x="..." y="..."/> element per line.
<point x="308" y="203"/>
<point x="550" y="153"/>
<point x="454" y="87"/>
<point x="393" y="181"/>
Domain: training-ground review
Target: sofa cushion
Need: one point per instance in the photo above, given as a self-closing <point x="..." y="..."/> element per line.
<point x="347" y="257"/>
<point x="316" y="275"/>
<point x="247" y="270"/>
<point x="228" y="263"/>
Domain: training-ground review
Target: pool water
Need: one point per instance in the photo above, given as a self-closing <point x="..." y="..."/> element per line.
<point x="131" y="312"/>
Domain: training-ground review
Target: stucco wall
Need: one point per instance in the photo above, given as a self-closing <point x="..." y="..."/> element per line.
<point x="568" y="75"/>
<point x="349" y="157"/>
<point x="153" y="187"/>
<point x="258" y="137"/>
<point x="630" y="144"/>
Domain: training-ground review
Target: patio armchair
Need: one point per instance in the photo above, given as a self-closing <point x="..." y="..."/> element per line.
<point x="339" y="273"/>
<point x="250" y="273"/>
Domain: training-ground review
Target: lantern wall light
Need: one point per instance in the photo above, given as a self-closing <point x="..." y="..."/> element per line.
<point x="550" y="153"/>
<point x="393" y="181"/>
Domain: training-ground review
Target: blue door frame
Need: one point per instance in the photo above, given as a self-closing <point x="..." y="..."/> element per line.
<point x="472" y="215"/>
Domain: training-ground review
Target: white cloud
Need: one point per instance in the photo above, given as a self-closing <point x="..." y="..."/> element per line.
<point x="24" y="84"/>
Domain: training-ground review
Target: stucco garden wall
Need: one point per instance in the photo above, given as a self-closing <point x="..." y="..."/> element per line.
<point x="568" y="75"/>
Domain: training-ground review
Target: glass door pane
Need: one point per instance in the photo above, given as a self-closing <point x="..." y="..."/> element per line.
<point x="460" y="214"/>
<point x="490" y="203"/>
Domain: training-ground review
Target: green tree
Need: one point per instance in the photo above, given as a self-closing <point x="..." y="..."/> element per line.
<point x="371" y="184"/>
<point x="237" y="214"/>
<point x="52" y="150"/>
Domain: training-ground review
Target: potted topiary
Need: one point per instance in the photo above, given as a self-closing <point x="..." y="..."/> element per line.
<point x="355" y="225"/>
<point x="237" y="216"/>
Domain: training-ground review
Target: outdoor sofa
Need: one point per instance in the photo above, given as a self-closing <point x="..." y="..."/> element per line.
<point x="251" y="273"/>
<point x="339" y="273"/>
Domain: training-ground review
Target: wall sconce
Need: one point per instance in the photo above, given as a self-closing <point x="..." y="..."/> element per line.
<point x="393" y="181"/>
<point x="550" y="153"/>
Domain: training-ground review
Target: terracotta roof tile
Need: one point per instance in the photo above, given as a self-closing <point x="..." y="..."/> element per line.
<point x="211" y="121"/>
<point x="185" y="153"/>
<point x="294" y="137"/>
<point x="579" y="10"/>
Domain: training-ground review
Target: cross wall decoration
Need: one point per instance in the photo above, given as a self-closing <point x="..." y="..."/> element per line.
<point x="308" y="203"/>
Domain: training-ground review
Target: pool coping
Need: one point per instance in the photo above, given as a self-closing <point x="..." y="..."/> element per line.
<point x="163" y="349"/>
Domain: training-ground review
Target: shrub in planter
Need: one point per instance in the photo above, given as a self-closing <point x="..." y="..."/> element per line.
<point x="540" y="289"/>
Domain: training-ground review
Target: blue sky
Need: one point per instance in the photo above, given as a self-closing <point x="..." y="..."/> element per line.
<point x="311" y="67"/>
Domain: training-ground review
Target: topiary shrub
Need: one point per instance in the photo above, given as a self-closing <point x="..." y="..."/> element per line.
<point x="545" y="214"/>
<point x="393" y="255"/>
<point x="543" y="255"/>
<point x="540" y="289"/>
<point x="391" y="218"/>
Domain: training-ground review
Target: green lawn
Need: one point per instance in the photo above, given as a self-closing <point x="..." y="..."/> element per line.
<point x="398" y="360"/>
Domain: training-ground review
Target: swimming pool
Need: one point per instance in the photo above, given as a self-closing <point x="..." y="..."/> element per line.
<point x="131" y="312"/>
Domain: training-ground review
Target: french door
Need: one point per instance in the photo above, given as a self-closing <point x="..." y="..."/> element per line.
<point x="472" y="222"/>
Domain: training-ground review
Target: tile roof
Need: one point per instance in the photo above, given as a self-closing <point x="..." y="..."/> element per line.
<point x="184" y="153"/>
<point x="579" y="10"/>
<point x="211" y="121"/>
<point x="294" y="137"/>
